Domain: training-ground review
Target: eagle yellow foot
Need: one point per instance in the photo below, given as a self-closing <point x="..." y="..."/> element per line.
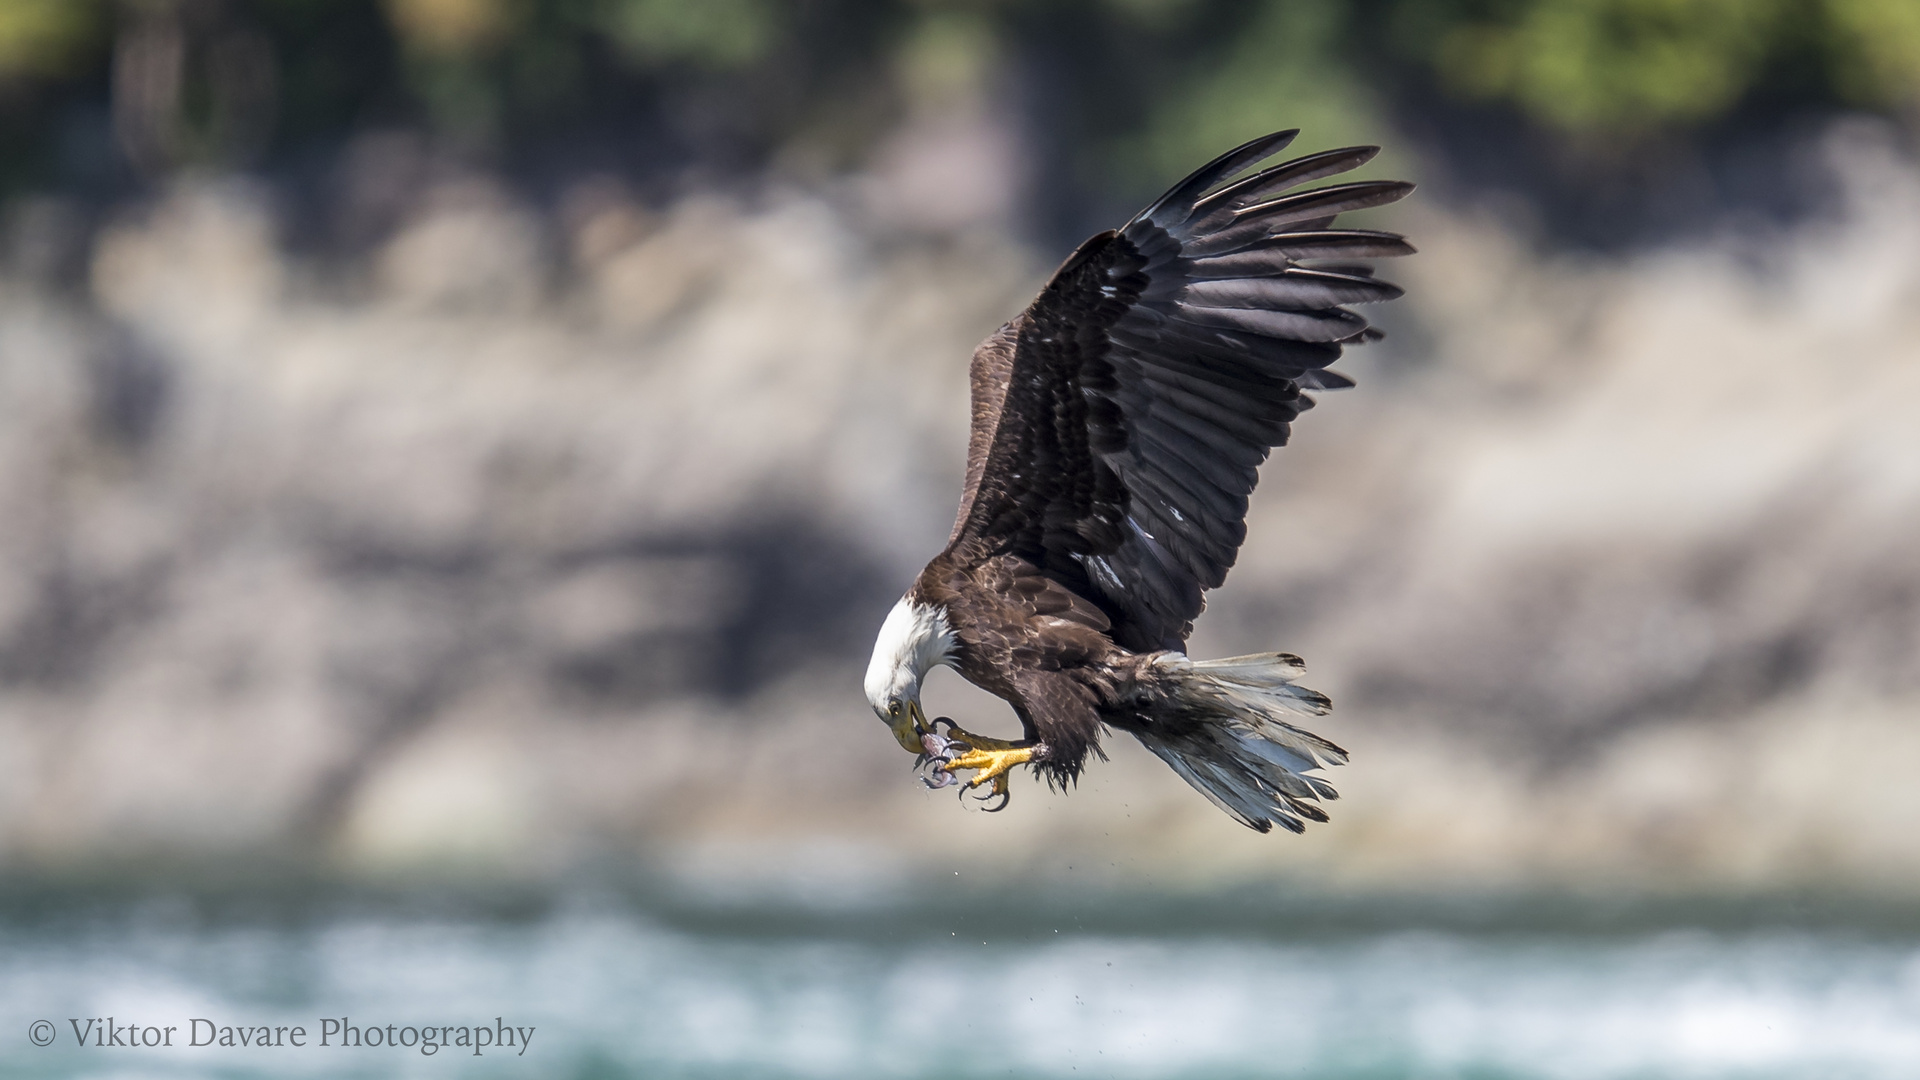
<point x="990" y="759"/>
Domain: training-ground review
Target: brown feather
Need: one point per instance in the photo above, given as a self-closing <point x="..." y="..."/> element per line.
<point x="1117" y="426"/>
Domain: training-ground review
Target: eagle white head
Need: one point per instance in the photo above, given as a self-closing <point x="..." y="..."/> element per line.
<point x="914" y="640"/>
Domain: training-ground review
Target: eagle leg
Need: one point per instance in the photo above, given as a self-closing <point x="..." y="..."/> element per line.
<point x="991" y="759"/>
<point x="990" y="765"/>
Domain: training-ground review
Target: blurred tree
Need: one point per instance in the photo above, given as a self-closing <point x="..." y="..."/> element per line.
<point x="98" y="95"/>
<point x="1619" y="66"/>
<point x="1286" y="64"/>
<point x="1605" y="65"/>
<point x="713" y="33"/>
<point x="193" y="83"/>
<point x="45" y="37"/>
<point x="453" y="27"/>
<point x="1877" y="55"/>
<point x="451" y="49"/>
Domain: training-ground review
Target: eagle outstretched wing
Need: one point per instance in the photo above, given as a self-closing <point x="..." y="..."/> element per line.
<point x="1118" y="424"/>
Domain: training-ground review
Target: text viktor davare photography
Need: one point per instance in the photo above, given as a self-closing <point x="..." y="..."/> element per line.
<point x="104" y="1032"/>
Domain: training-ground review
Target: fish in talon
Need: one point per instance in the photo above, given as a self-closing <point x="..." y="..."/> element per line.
<point x="938" y="747"/>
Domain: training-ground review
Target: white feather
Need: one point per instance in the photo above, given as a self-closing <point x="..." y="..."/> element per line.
<point x="1248" y="760"/>
<point x="914" y="639"/>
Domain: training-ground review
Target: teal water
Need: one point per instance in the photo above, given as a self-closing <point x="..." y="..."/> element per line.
<point x="1161" y="989"/>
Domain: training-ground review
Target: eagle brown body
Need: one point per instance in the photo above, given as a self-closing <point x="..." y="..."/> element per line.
<point x="1036" y="645"/>
<point x="1118" y="425"/>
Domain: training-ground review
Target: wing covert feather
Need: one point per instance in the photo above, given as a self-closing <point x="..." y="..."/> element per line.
<point x="987" y="378"/>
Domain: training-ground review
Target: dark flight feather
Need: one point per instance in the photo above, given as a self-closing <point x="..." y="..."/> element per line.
<point x="1183" y="195"/>
<point x="1304" y="170"/>
<point x="1119" y="422"/>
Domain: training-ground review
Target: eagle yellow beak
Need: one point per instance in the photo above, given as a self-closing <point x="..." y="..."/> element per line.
<point x="909" y="726"/>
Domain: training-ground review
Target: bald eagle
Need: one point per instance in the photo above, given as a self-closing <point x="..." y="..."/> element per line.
<point x="1118" y="426"/>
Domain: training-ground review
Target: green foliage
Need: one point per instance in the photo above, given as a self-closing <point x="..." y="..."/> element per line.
<point x="1597" y="65"/>
<point x="1283" y="65"/>
<point x="1877" y="50"/>
<point x="45" y="37"/>
<point x="709" y="33"/>
<point x="1154" y="84"/>
<point x="948" y="55"/>
<point x="1620" y="66"/>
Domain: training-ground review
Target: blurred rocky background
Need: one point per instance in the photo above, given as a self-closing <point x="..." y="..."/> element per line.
<point x="480" y="437"/>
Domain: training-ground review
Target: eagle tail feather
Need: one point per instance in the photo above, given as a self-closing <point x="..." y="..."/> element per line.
<point x="1232" y="740"/>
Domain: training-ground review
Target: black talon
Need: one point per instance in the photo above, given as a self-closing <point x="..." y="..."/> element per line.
<point x="1005" y="798"/>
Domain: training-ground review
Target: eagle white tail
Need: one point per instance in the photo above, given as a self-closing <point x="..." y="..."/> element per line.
<point x="1221" y="724"/>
